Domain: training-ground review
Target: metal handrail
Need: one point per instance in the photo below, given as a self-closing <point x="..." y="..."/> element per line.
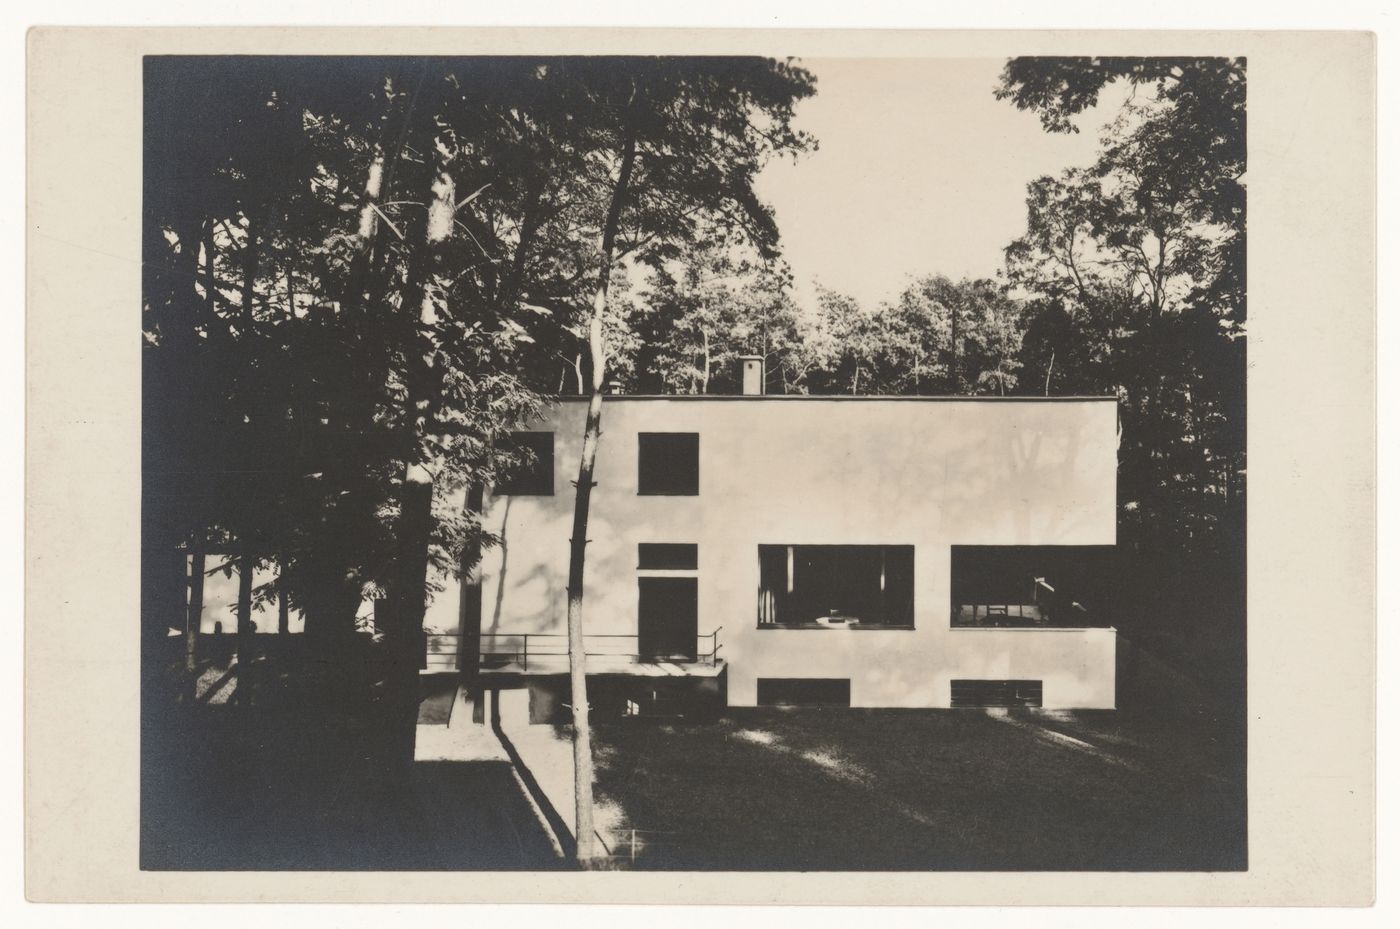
<point x="550" y="648"/>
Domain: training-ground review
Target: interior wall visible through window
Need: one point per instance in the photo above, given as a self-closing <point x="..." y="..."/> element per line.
<point x="836" y="586"/>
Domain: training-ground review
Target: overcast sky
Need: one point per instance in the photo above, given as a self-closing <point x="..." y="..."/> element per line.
<point x="920" y="170"/>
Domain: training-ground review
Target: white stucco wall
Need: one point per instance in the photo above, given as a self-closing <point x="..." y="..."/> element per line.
<point x="775" y="470"/>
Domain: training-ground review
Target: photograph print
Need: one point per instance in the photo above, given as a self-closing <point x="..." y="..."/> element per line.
<point x="693" y="464"/>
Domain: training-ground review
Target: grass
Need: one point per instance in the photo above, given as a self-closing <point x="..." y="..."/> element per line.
<point x="295" y="781"/>
<point x="916" y="790"/>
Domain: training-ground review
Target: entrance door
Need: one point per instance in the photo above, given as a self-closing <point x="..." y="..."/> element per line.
<point x="667" y="618"/>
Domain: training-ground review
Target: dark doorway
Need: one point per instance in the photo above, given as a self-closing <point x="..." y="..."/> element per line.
<point x="667" y="622"/>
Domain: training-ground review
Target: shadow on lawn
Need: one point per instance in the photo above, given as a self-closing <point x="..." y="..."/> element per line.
<point x="928" y="790"/>
<point x="288" y="787"/>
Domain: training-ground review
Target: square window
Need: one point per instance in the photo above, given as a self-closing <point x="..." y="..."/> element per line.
<point x="533" y="470"/>
<point x="668" y="463"/>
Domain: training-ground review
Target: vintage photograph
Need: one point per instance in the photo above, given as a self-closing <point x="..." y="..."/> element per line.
<point x="705" y="463"/>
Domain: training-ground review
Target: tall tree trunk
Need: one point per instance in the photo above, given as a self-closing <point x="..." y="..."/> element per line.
<point x="953" y="369"/>
<point x="469" y="571"/>
<point x="705" y="378"/>
<point x="284" y="613"/>
<point x="583" y="493"/>
<point x="250" y="275"/>
<point x="245" y="627"/>
<point x="409" y="599"/>
<point x="193" y="616"/>
<point x="529" y="229"/>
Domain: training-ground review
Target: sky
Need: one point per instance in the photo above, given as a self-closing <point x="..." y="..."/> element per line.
<point x="919" y="170"/>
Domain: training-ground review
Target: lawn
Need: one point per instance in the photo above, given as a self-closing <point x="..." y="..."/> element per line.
<point x="937" y="789"/>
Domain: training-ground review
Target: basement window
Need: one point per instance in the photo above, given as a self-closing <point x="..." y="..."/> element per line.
<point x="532" y="469"/>
<point x="836" y="587"/>
<point x="804" y="691"/>
<point x="668" y="464"/>
<point x="997" y="693"/>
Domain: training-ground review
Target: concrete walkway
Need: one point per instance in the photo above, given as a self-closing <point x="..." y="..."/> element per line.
<point x="541" y="759"/>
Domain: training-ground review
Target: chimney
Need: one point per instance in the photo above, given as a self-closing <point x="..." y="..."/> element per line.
<point x="753" y="374"/>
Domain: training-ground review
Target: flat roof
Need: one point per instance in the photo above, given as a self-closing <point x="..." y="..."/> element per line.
<point x="943" y="398"/>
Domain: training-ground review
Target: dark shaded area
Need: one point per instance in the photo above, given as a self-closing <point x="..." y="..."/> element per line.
<point x="674" y="556"/>
<point x="298" y="780"/>
<point x="614" y="696"/>
<point x="914" y="790"/>
<point x="535" y="473"/>
<point x="437" y="694"/>
<point x="997" y="693"/>
<point x="667" y="618"/>
<point x="804" y="691"/>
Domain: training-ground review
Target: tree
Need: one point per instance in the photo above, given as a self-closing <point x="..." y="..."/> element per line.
<point x="962" y="337"/>
<point x="701" y="313"/>
<point x="1135" y="272"/>
<point x="678" y="148"/>
<point x="313" y="340"/>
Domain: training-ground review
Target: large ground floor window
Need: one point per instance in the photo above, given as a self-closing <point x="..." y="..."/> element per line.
<point x="1067" y="586"/>
<point x="836" y="586"/>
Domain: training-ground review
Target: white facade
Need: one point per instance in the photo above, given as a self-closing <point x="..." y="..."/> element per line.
<point x="926" y="472"/>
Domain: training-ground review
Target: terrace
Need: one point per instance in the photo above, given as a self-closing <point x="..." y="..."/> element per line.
<point x="501" y="655"/>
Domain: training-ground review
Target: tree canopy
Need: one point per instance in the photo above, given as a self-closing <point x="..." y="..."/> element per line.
<point x="357" y="264"/>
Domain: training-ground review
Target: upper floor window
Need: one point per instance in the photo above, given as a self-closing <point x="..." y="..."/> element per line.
<point x="533" y="470"/>
<point x="668" y="463"/>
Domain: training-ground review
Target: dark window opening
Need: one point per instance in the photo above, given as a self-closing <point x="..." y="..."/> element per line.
<point x="996" y="693"/>
<point x="532" y="467"/>
<point x="836" y="586"/>
<point x="1058" y="586"/>
<point x="804" y="691"/>
<point x="667" y="618"/>
<point x="668" y="463"/>
<point x="673" y="556"/>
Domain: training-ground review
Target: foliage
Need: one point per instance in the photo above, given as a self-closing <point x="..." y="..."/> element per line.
<point x="1134" y="273"/>
<point x="303" y="343"/>
<point x="698" y="317"/>
<point x="938" y="337"/>
<point x="310" y="333"/>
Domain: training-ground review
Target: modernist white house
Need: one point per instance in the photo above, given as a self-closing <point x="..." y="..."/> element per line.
<point x="802" y="549"/>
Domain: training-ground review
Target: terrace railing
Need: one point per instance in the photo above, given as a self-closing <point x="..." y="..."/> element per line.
<point x="500" y="649"/>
